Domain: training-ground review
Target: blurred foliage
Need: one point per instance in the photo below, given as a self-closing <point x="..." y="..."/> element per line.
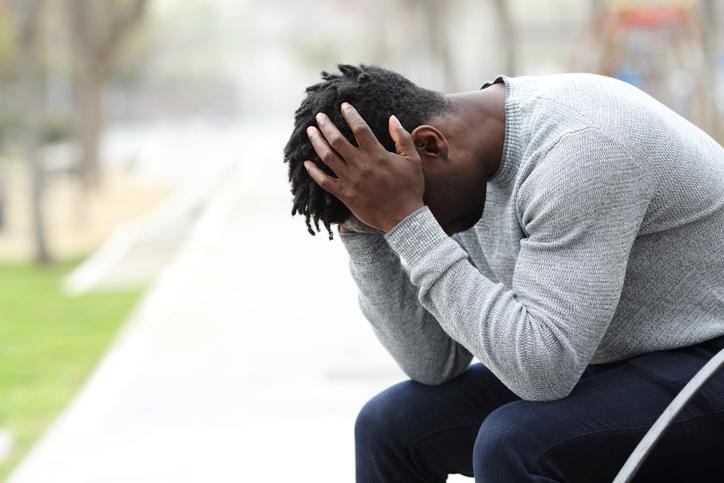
<point x="9" y="128"/>
<point x="50" y="344"/>
<point x="52" y="130"/>
<point x="56" y="129"/>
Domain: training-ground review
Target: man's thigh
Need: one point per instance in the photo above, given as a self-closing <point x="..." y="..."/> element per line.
<point x="434" y="426"/>
<point x="588" y="435"/>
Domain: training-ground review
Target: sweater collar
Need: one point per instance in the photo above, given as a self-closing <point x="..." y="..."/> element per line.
<point x="512" y="145"/>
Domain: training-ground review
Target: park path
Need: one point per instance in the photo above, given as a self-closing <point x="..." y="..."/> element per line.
<point x="247" y="361"/>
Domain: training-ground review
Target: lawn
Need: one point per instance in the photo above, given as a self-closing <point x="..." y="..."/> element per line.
<point x="49" y="344"/>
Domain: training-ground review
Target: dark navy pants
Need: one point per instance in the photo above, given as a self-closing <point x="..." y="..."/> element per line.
<point x="473" y="425"/>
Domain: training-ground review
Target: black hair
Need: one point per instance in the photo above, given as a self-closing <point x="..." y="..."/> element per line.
<point x="376" y="93"/>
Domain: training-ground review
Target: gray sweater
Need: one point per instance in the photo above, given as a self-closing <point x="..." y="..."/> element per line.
<point x="602" y="238"/>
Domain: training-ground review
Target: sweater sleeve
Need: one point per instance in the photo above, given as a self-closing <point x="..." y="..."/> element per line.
<point x="387" y="298"/>
<point x="581" y="208"/>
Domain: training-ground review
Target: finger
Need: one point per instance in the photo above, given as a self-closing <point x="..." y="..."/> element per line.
<point x="325" y="152"/>
<point x="335" y="138"/>
<point x="362" y="132"/>
<point x="326" y="182"/>
<point x="404" y="145"/>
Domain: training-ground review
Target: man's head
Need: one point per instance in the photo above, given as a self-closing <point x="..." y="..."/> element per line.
<point x="376" y="93"/>
<point x="459" y="138"/>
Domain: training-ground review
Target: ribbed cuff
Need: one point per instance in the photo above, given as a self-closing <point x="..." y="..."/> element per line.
<point x="366" y="247"/>
<point x="416" y="236"/>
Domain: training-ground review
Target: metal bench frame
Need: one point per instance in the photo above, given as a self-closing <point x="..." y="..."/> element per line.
<point x="639" y="454"/>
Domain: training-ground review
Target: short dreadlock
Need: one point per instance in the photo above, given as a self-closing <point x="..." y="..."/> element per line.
<point x="376" y="93"/>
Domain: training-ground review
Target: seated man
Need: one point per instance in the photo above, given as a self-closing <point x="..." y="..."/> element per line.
<point x="567" y="231"/>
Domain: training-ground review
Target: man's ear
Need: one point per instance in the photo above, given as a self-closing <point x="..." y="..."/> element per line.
<point x="429" y="141"/>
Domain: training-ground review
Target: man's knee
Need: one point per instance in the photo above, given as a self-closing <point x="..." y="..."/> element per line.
<point x="384" y="416"/>
<point x="369" y="426"/>
<point x="506" y="445"/>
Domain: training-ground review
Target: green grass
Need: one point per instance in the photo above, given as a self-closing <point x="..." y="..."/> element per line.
<point x="49" y="344"/>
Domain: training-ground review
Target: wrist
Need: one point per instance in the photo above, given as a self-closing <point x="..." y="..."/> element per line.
<point x="418" y="236"/>
<point x="407" y="211"/>
<point x="367" y="248"/>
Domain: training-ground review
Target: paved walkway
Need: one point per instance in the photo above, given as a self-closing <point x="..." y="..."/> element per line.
<point x="247" y="361"/>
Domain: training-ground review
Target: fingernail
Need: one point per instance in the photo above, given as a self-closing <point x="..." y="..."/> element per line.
<point x="306" y="165"/>
<point x="320" y="117"/>
<point x="346" y="105"/>
<point x="310" y="131"/>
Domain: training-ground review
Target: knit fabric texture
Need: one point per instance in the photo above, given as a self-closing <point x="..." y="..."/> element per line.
<point x="602" y="238"/>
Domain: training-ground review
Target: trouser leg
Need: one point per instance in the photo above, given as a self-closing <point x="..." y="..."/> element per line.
<point x="587" y="436"/>
<point x="417" y="433"/>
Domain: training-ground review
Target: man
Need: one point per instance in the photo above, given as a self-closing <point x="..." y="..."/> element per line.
<point x="567" y="231"/>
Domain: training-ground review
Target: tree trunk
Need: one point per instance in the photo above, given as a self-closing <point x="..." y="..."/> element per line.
<point x="98" y="30"/>
<point x="31" y="144"/>
<point x="41" y="252"/>
<point x="90" y="122"/>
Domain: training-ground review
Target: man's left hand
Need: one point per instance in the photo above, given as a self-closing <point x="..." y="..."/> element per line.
<point x="379" y="187"/>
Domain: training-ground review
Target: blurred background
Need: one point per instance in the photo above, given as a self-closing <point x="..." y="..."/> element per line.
<point x="162" y="317"/>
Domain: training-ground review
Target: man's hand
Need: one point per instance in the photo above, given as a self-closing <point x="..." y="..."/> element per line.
<point x="379" y="187"/>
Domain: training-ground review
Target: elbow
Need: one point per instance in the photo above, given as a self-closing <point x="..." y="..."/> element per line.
<point x="435" y="376"/>
<point x="547" y="371"/>
<point x="548" y="382"/>
<point x="544" y="392"/>
<point x="546" y="385"/>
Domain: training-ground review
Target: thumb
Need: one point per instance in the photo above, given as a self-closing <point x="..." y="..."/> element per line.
<point x="404" y="146"/>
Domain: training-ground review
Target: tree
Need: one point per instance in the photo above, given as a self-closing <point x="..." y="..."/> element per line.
<point x="27" y="20"/>
<point x="98" y="29"/>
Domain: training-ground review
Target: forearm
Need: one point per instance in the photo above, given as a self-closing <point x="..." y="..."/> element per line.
<point x="389" y="301"/>
<point x="536" y="339"/>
